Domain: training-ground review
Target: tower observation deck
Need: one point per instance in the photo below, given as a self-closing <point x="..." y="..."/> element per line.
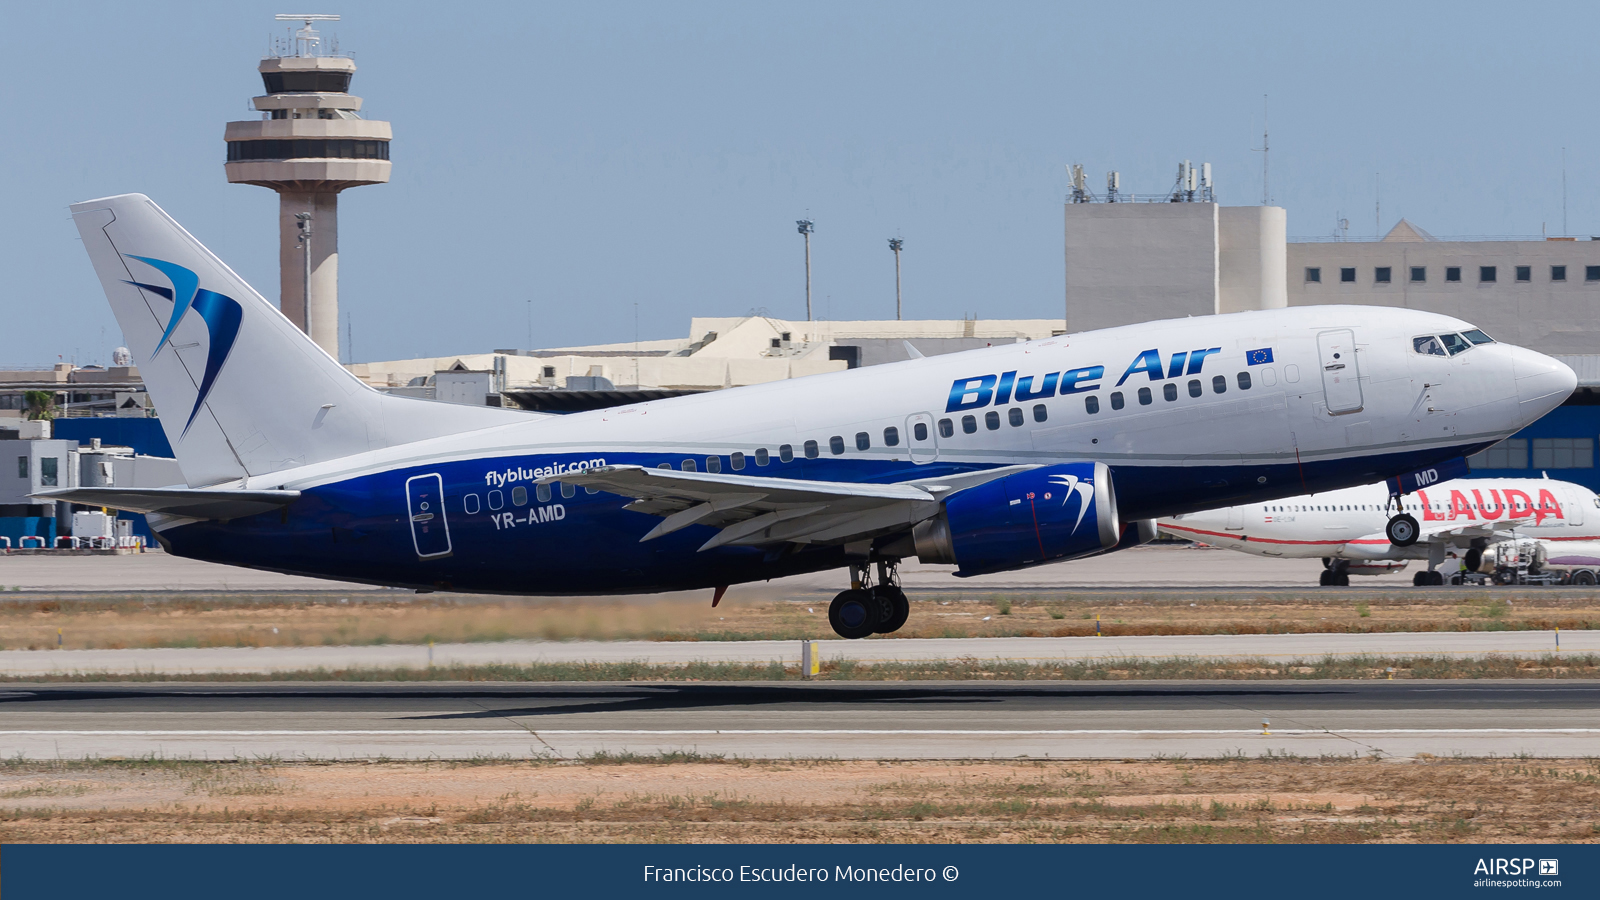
<point x="309" y="144"/>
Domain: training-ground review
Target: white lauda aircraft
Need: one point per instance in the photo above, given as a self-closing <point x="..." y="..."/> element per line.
<point x="1347" y="528"/>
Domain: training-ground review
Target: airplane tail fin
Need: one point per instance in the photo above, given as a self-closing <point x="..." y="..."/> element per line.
<point x="241" y="390"/>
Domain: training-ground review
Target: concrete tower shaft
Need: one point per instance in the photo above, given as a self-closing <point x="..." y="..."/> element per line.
<point x="310" y="144"/>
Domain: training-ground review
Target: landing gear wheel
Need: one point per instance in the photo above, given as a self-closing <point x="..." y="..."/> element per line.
<point x="1473" y="560"/>
<point x="1433" y="578"/>
<point x="1341" y="579"/>
<point x="854" y="614"/>
<point x="1402" y="530"/>
<point x="1326" y="578"/>
<point x="893" y="608"/>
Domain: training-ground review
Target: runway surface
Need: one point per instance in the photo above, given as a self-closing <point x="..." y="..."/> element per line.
<point x="1160" y="566"/>
<point x="837" y="720"/>
<point x="1282" y="647"/>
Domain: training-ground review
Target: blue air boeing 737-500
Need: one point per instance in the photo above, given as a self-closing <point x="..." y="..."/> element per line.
<point x="987" y="460"/>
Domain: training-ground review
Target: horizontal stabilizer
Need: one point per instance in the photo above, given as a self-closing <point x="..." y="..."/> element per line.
<point x="173" y="501"/>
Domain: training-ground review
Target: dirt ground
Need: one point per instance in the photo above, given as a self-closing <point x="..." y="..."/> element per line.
<point x="695" y="800"/>
<point x="262" y="620"/>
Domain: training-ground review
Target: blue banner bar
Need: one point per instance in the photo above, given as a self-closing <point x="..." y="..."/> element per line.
<point x="304" y="872"/>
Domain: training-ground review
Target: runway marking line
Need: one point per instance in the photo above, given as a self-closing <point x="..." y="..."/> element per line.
<point x="800" y="731"/>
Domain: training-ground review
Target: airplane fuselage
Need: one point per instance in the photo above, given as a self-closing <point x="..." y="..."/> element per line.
<point x="1188" y="414"/>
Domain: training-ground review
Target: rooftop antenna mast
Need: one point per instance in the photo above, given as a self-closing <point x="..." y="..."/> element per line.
<point x="307" y="41"/>
<point x="1266" y="146"/>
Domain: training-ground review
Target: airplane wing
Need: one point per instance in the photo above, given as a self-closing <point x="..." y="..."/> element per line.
<point x="755" y="511"/>
<point x="173" y="501"/>
<point x="1458" y="532"/>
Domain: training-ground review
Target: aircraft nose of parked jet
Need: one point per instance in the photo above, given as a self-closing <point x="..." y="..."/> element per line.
<point x="1542" y="382"/>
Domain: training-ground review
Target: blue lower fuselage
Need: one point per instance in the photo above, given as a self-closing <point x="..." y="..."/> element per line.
<point x="362" y="529"/>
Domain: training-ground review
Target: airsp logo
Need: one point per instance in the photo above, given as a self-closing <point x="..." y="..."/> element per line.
<point x="1524" y="866"/>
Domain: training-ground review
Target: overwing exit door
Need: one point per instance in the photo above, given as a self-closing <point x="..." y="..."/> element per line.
<point x="1341" y="376"/>
<point x="920" y="438"/>
<point x="430" y="532"/>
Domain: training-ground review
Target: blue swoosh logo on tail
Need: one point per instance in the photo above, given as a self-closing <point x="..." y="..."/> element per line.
<point x="221" y="313"/>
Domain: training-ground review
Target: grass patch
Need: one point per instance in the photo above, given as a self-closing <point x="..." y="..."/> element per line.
<point x="967" y="669"/>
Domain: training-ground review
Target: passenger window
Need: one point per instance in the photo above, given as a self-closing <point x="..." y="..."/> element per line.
<point x="1219" y="384"/>
<point x="1244" y="381"/>
<point x="470" y="503"/>
<point x="891" y="435"/>
<point x="1116" y="399"/>
<point x="1091" y="404"/>
<point x="568" y="489"/>
<point x="687" y="465"/>
<point x="785" y="453"/>
<point x="1015" y="416"/>
<point x="946" y="428"/>
<point x="1169" y="391"/>
<point x="1427" y="345"/>
<point x="1144" y="397"/>
<point x="664" y="466"/>
<point x="1040" y="413"/>
<point x="542" y="491"/>
<point x="863" y="441"/>
<point x="836" y="445"/>
<point x="519" y="496"/>
<point x="496" y="500"/>
<point x="737" y="459"/>
<point x="713" y="464"/>
<point x="920" y="431"/>
<point x="969" y="424"/>
<point x="1455" y="343"/>
<point x="590" y="490"/>
<point x="1194" y="387"/>
<point x="991" y="420"/>
<point x="811" y="450"/>
<point x="762" y="457"/>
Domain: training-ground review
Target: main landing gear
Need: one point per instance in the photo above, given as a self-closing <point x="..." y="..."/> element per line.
<point x="868" y="608"/>
<point x="1335" y="573"/>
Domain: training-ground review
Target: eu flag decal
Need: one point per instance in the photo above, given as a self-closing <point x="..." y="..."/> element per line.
<point x="1258" y="357"/>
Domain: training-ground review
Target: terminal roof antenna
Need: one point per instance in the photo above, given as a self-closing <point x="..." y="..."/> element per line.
<point x="1266" y="146"/>
<point x="307" y="41"/>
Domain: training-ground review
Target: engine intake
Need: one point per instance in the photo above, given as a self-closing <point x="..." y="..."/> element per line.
<point x="1027" y="519"/>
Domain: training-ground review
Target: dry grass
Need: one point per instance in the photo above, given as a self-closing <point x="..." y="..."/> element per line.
<point x="1284" y="800"/>
<point x="279" y="620"/>
<point x="967" y="669"/>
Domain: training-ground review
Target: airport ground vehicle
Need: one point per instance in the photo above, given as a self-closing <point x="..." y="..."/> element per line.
<point x="990" y="460"/>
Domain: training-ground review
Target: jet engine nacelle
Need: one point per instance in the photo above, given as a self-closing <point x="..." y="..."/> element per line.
<point x="1038" y="516"/>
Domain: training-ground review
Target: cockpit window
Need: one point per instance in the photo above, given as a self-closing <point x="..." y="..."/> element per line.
<point x="1477" y="337"/>
<point x="1428" y="345"/>
<point x="1455" y="343"/>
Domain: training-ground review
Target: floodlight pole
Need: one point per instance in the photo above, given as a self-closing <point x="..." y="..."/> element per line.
<point x="895" y="244"/>
<point x="805" y="229"/>
<point x="303" y="222"/>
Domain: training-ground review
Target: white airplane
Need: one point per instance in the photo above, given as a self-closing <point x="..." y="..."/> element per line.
<point x="1347" y="528"/>
<point x="990" y="460"/>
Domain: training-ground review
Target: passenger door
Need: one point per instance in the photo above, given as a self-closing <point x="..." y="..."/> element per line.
<point x="430" y="531"/>
<point x="922" y="440"/>
<point x="1341" y="376"/>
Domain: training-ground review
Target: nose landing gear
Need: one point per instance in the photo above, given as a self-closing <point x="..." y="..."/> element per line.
<point x="868" y="608"/>
<point x="1402" y="530"/>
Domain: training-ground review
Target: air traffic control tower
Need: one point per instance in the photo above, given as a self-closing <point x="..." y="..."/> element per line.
<point x="309" y="144"/>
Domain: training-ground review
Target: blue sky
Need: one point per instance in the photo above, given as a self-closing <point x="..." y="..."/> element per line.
<point x="573" y="161"/>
